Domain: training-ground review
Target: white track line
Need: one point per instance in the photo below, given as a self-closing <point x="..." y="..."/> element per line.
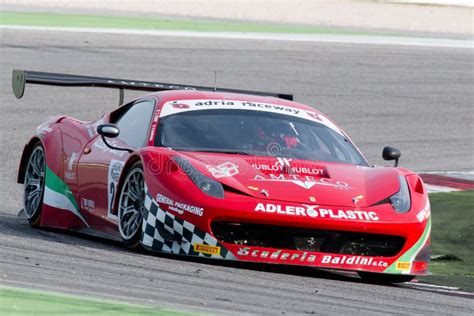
<point x="437" y="189"/>
<point x="460" y="3"/>
<point x="439" y="289"/>
<point x="443" y="287"/>
<point x="326" y="38"/>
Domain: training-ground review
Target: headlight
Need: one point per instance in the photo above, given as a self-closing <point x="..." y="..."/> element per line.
<point x="401" y="200"/>
<point x="205" y="184"/>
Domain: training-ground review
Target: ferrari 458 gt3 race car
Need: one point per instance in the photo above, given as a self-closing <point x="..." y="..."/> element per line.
<point x="224" y="174"/>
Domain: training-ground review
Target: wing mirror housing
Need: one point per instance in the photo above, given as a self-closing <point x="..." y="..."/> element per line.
<point x="110" y="131"/>
<point x="391" y="153"/>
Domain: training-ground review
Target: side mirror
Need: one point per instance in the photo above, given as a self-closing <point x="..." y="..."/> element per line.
<point x="108" y="130"/>
<point x="391" y="153"/>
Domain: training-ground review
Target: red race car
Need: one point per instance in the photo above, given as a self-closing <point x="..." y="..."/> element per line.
<point x="226" y="174"/>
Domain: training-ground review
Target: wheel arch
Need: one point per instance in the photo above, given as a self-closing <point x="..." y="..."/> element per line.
<point x="27" y="150"/>
<point x="50" y="136"/>
<point x="134" y="158"/>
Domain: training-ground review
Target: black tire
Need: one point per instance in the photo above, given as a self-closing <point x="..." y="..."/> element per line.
<point x="381" y="278"/>
<point x="34" y="185"/>
<point x="131" y="206"/>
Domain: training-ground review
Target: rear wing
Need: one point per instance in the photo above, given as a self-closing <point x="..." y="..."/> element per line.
<point x="22" y="77"/>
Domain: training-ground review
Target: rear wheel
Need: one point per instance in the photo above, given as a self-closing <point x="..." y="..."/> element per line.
<point x="380" y="278"/>
<point x="132" y="206"/>
<point x="34" y="185"/>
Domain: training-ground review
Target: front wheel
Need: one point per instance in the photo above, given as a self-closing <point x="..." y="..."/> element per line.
<point x="132" y="206"/>
<point x="380" y="278"/>
<point x="34" y="185"/>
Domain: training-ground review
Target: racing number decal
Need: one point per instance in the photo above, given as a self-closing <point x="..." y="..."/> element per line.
<point x="112" y="196"/>
<point x="115" y="169"/>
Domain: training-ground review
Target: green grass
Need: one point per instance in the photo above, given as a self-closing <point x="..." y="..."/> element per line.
<point x="15" y="301"/>
<point x="147" y="23"/>
<point x="452" y="234"/>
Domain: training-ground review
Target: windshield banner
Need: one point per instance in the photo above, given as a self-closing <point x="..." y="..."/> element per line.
<point x="178" y="106"/>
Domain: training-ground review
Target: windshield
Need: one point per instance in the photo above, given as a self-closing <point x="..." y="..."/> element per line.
<point x="255" y="133"/>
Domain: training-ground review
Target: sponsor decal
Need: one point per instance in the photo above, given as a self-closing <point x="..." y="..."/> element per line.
<point x="179" y="207"/>
<point x="115" y="169"/>
<point x="245" y="104"/>
<point x="284" y="161"/>
<point x="99" y="144"/>
<point x="306" y="182"/>
<point x="357" y="199"/>
<point x="166" y="232"/>
<point x="353" y="260"/>
<point x="424" y="213"/>
<point x="307" y="257"/>
<point x="403" y="266"/>
<point x="87" y="204"/>
<point x="207" y="249"/>
<point x="323" y="120"/>
<point x="314" y="211"/>
<point x="178" y="106"/>
<point x="314" y="115"/>
<point x="226" y="169"/>
<point x="277" y="255"/>
<point x="152" y="133"/>
<point x="153" y="127"/>
<point x="284" y="165"/>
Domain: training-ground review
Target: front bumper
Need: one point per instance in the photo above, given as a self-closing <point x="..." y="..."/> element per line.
<point x="186" y="234"/>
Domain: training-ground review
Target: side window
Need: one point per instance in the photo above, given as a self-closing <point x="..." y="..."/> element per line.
<point x="134" y="124"/>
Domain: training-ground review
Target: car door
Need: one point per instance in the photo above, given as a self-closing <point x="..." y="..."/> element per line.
<point x="99" y="170"/>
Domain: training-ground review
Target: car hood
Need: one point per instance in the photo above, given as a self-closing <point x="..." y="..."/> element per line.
<point x="299" y="181"/>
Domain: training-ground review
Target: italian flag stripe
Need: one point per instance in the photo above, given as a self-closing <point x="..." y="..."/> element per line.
<point x="411" y="253"/>
<point x="57" y="194"/>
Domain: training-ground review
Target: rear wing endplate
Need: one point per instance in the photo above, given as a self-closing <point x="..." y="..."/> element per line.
<point x="22" y="77"/>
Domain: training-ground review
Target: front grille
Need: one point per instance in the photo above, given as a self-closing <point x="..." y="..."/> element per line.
<point x="293" y="238"/>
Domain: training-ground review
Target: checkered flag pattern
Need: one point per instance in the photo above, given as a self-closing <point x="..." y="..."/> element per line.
<point x="164" y="232"/>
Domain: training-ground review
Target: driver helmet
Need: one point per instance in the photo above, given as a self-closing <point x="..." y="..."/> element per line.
<point x="281" y="133"/>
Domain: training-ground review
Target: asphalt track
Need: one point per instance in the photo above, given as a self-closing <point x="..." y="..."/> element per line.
<point x="416" y="98"/>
